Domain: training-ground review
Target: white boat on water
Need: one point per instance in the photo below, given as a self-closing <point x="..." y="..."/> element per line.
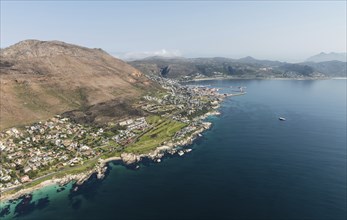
<point x="281" y="118"/>
<point x="180" y="153"/>
<point x="188" y="150"/>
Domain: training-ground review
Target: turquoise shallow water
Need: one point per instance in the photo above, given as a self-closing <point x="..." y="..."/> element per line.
<point x="249" y="165"/>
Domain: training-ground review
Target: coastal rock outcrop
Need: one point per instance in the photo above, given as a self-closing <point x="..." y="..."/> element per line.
<point x="129" y="158"/>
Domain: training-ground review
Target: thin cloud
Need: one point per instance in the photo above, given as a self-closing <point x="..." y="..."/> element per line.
<point x="144" y="54"/>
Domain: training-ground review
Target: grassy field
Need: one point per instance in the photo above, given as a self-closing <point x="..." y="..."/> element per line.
<point x="154" y="119"/>
<point x="163" y="130"/>
<point x="88" y="165"/>
<point x="111" y="154"/>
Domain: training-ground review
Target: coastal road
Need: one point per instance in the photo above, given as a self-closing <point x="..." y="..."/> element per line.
<point x="44" y="176"/>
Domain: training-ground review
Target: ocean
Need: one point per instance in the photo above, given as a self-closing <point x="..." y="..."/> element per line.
<point x="249" y="165"/>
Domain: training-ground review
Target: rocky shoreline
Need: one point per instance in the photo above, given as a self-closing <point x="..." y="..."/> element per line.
<point x="171" y="147"/>
<point x="168" y="148"/>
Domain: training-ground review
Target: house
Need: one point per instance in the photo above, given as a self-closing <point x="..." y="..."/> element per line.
<point x="26" y="169"/>
<point x="2" y="146"/>
<point x="24" y="179"/>
<point x="84" y="148"/>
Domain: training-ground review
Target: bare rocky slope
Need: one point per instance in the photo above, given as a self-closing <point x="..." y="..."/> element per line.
<point x="42" y="78"/>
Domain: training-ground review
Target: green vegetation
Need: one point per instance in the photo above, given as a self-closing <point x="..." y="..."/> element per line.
<point x="160" y="94"/>
<point x="198" y="113"/>
<point x="36" y="182"/>
<point x="154" y="119"/>
<point x="73" y="148"/>
<point x="88" y="165"/>
<point x="111" y="154"/>
<point x="70" y="170"/>
<point x="164" y="131"/>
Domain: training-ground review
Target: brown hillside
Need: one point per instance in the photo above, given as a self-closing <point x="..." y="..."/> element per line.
<point x="42" y="78"/>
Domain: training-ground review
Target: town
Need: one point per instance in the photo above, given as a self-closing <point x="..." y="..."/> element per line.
<point x="33" y="152"/>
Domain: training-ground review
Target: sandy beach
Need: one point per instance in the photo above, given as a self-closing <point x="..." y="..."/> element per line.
<point x="5" y="197"/>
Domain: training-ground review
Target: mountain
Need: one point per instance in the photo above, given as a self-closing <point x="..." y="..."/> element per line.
<point x="182" y="67"/>
<point x="248" y="67"/>
<point x="330" y="68"/>
<point x="250" y="59"/>
<point x="322" y="57"/>
<point x="42" y="78"/>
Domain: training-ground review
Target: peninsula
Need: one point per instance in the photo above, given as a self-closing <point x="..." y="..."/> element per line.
<point x="60" y="150"/>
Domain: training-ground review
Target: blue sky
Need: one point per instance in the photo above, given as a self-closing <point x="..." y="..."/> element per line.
<point x="289" y="31"/>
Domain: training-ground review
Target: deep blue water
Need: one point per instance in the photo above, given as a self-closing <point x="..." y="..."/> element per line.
<point x="249" y="165"/>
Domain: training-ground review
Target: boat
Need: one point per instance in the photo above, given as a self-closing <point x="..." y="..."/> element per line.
<point x="180" y="153"/>
<point x="159" y="160"/>
<point x="281" y="118"/>
<point x="188" y="150"/>
<point x="200" y="135"/>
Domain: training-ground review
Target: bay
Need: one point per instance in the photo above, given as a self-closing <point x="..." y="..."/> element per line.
<point x="249" y="165"/>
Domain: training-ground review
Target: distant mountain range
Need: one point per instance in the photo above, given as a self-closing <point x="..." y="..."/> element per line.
<point x="323" y="57"/>
<point x="248" y="67"/>
<point x="42" y="78"/>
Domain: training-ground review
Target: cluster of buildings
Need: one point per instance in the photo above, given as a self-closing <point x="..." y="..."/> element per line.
<point x="49" y="146"/>
<point x="131" y="126"/>
<point x="182" y="101"/>
<point x="44" y="146"/>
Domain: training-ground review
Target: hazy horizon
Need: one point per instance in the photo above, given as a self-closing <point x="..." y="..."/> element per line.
<point x="285" y="31"/>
